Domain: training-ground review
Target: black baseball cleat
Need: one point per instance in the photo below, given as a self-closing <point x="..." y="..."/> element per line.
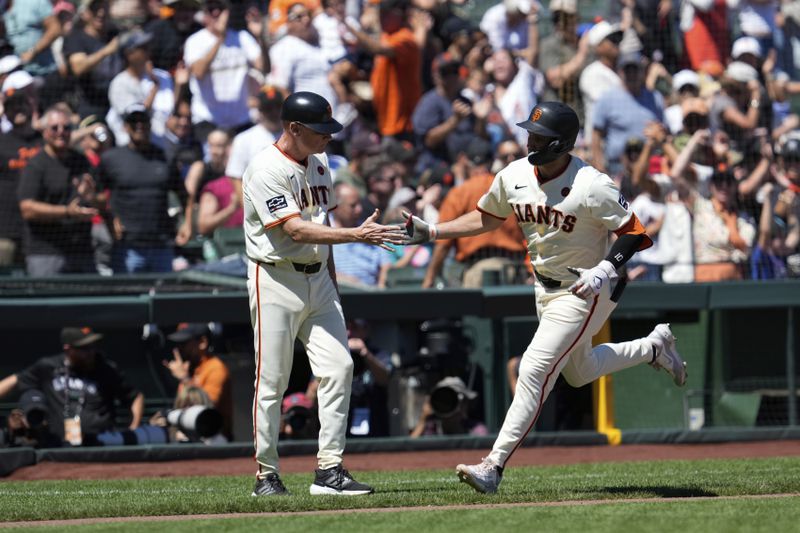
<point x="337" y="480"/>
<point x="270" y="486"/>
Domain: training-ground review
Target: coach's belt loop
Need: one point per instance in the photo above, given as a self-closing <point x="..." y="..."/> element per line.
<point x="310" y="268"/>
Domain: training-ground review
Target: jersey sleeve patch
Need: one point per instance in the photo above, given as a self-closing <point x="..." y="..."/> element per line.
<point x="623" y="202"/>
<point x="277" y="202"/>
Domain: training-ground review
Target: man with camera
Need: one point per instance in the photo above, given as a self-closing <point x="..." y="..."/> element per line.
<point x="193" y="365"/>
<point x="78" y="390"/>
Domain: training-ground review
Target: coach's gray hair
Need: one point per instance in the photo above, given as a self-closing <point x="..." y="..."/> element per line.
<point x="53" y="109"/>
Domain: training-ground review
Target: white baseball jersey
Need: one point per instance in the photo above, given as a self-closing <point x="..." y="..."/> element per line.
<point x="566" y="219"/>
<point x="276" y="188"/>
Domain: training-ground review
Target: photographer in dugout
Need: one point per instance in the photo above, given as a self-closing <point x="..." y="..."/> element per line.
<point x="79" y="389"/>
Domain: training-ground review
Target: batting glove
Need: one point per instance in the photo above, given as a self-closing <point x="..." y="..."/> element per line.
<point x="418" y="231"/>
<point x="591" y="281"/>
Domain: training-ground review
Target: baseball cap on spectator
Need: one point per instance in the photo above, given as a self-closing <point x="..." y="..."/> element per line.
<point x="745" y="45"/>
<point x="388" y="5"/>
<point x="479" y="151"/>
<point x="437" y="174"/>
<point x="134" y="112"/>
<point x="134" y="39"/>
<point x="269" y="96"/>
<point x="15" y="104"/>
<point x="31" y="401"/>
<point x="79" y="337"/>
<point x="523" y="6"/>
<point x="298" y="399"/>
<point x="605" y="30"/>
<point x="364" y="142"/>
<point x="722" y="178"/>
<point x="565" y="6"/>
<point x="9" y="63"/>
<point x="187" y="331"/>
<point x="89" y="4"/>
<point x="455" y="26"/>
<point x="685" y="77"/>
<point x="16" y="81"/>
<point x="62" y="6"/>
<point x="444" y="64"/>
<point x="631" y="58"/>
<point x="741" y="72"/>
<point x="790" y="149"/>
<point x="192" y="3"/>
<point x="398" y="151"/>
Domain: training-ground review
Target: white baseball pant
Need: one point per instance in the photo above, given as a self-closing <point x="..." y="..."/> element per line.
<point x="563" y="344"/>
<point x="284" y="305"/>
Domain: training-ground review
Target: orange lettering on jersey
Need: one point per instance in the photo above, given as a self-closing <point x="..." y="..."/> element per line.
<point x="569" y="223"/>
<point x="543" y="214"/>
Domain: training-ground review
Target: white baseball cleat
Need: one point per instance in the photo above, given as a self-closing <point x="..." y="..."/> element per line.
<point x="667" y="356"/>
<point x="484" y="477"/>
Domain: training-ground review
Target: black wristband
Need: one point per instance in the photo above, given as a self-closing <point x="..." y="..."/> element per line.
<point x="623" y="249"/>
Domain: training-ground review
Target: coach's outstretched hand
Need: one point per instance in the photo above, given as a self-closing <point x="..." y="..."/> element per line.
<point x="373" y="233"/>
<point x="591" y="281"/>
<point x="417" y="230"/>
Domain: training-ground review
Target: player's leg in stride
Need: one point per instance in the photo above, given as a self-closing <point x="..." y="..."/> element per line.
<point x="666" y="354"/>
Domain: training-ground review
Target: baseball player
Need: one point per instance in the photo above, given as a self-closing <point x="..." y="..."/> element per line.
<point x="566" y="209"/>
<point x="287" y="194"/>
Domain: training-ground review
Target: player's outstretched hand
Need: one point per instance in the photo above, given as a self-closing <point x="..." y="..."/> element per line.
<point x="591" y="281"/>
<point x="373" y="233"/>
<point x="417" y="230"/>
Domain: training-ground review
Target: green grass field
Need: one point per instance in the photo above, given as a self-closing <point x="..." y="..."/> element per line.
<point x="617" y="483"/>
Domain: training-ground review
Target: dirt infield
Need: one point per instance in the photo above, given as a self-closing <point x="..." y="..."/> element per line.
<point x="544" y="455"/>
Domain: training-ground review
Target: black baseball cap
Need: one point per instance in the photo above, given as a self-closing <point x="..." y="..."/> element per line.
<point x="136" y="112"/>
<point x="479" y="151"/>
<point x="187" y="331"/>
<point x="79" y="337"/>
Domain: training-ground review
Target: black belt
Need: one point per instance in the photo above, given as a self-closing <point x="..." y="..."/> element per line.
<point x="310" y="268"/>
<point x="547" y="283"/>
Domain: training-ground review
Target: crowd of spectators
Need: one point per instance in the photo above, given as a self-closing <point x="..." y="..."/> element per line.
<point x="127" y="125"/>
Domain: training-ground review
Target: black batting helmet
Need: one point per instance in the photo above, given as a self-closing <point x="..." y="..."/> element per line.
<point x="312" y="111"/>
<point x="553" y="120"/>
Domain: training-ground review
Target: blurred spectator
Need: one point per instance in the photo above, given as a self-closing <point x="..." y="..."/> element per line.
<point x="372" y="368"/>
<point x="722" y="237"/>
<point x="251" y="141"/>
<point x="444" y="120"/>
<point x="299" y="419"/>
<point x="357" y="264"/>
<point x="219" y="206"/>
<point x="382" y="177"/>
<point x="654" y="23"/>
<point x="298" y="63"/>
<point x="505" y="153"/>
<point x="31" y="27"/>
<point x="457" y="34"/>
<point x="22" y="83"/>
<point x="64" y="11"/>
<point x="193" y="364"/>
<point x="562" y="56"/>
<point x="621" y="115"/>
<point x="200" y="174"/>
<point x="57" y="200"/>
<point x="395" y="79"/>
<point x="140" y="83"/>
<point x="17" y="147"/>
<point x="706" y="35"/>
<point x="335" y="39"/>
<point x="757" y="20"/>
<point x="170" y="34"/>
<point x="736" y="108"/>
<point x="600" y="75"/>
<point x="506" y="24"/>
<point x="218" y="59"/>
<point x="685" y="86"/>
<point x="279" y="15"/>
<point x="92" y="53"/>
<point x="180" y="146"/>
<point x="501" y="251"/>
<point x="92" y="137"/>
<point x="517" y="87"/>
<point x="446" y="411"/>
<point x="360" y="147"/>
<point x="79" y="389"/>
<point x="138" y="179"/>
